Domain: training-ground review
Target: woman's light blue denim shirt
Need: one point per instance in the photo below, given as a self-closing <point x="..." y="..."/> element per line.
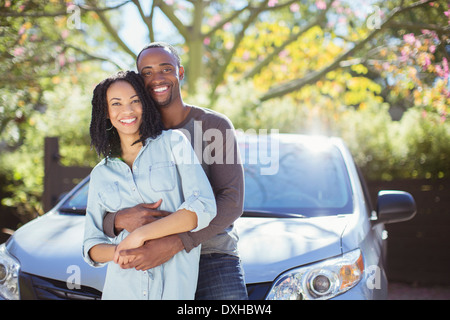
<point x="166" y="168"/>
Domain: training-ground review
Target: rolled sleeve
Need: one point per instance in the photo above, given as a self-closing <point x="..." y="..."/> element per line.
<point x="195" y="203"/>
<point x="198" y="194"/>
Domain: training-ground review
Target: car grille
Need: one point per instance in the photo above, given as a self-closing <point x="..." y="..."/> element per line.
<point x="33" y="287"/>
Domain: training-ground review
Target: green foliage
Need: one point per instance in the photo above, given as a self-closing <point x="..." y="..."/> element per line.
<point x="417" y="146"/>
<point x="67" y="116"/>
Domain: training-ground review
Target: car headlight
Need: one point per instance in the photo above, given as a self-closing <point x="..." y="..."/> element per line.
<point x="9" y="275"/>
<point x="322" y="280"/>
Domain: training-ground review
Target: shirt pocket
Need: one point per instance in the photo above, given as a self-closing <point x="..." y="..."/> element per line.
<point x="162" y="176"/>
<point x="110" y="197"/>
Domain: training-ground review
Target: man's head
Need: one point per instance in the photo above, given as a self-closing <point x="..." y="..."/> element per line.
<point x="159" y="65"/>
<point x="163" y="45"/>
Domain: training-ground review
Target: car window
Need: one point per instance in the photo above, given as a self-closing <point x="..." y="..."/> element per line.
<point x="77" y="202"/>
<point x="309" y="181"/>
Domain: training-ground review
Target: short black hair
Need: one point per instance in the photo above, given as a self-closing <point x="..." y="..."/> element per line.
<point x="104" y="137"/>
<point x="163" y="45"/>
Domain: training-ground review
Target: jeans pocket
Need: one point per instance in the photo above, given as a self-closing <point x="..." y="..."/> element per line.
<point x="162" y="176"/>
<point x="110" y="197"/>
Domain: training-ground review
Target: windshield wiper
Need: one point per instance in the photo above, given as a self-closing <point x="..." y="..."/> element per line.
<point x="72" y="210"/>
<point x="270" y="214"/>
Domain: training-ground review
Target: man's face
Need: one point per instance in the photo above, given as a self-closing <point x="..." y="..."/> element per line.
<point x="162" y="75"/>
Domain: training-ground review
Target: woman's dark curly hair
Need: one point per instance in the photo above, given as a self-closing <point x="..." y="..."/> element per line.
<point x="104" y="137"/>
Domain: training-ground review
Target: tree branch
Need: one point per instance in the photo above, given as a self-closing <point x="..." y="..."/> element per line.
<point x="293" y="37"/>
<point x="146" y="19"/>
<point x="114" y="32"/>
<point x="170" y="14"/>
<point x="238" y="38"/>
<point x="314" y="76"/>
<point x="64" y="12"/>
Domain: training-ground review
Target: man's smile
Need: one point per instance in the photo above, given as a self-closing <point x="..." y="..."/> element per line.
<point x="160" y="89"/>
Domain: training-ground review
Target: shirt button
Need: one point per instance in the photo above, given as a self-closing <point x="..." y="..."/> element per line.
<point x="144" y="293"/>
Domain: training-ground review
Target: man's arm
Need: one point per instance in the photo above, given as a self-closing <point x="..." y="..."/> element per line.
<point x="131" y="218"/>
<point x="227" y="181"/>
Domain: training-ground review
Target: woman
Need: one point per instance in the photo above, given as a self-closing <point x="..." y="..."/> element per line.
<point x="142" y="164"/>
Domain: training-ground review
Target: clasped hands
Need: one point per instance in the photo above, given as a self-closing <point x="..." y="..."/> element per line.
<point x="131" y="219"/>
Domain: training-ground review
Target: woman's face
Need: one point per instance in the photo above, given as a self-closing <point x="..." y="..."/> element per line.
<point x="124" y="109"/>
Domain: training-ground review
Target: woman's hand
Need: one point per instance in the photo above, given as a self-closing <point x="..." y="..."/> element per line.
<point x="132" y="241"/>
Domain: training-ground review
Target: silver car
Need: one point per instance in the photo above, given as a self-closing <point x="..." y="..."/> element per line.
<point x="308" y="231"/>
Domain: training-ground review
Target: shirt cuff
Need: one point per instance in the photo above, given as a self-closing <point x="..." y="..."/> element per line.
<point x="193" y="203"/>
<point x="87" y="245"/>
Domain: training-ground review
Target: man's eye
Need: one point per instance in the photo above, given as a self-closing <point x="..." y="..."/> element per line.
<point x="146" y="74"/>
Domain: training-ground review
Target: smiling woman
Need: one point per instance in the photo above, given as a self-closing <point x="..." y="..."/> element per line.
<point x="124" y="111"/>
<point x="113" y="114"/>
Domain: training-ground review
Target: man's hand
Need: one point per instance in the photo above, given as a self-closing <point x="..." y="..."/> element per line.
<point x="132" y="218"/>
<point x="153" y="253"/>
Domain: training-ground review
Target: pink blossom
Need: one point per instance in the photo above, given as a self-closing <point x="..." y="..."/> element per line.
<point x="409" y="38"/>
<point x="65" y="33"/>
<point x="283" y="54"/>
<point x="18" y="51"/>
<point x="439" y="71"/>
<point x="432" y="48"/>
<point x="424" y="114"/>
<point x="272" y="3"/>
<point x="22" y="30"/>
<point x="445" y="65"/>
<point x="61" y="60"/>
<point x="207" y="41"/>
<point x="336" y="4"/>
<point x="214" y="20"/>
<point x="405" y="54"/>
<point x="321" y="5"/>
<point x="7" y="3"/>
<point x="169" y="2"/>
<point x="295" y="7"/>
<point x="427" y="62"/>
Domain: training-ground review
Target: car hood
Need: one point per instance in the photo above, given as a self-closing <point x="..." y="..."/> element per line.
<point x="270" y="246"/>
<point x="51" y="246"/>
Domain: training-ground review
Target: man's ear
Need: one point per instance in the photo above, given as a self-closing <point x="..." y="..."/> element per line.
<point x="181" y="73"/>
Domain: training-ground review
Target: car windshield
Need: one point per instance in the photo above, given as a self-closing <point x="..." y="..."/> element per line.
<point x="289" y="179"/>
<point x="310" y="179"/>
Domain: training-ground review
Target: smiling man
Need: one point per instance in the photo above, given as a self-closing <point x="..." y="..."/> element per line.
<point x="220" y="274"/>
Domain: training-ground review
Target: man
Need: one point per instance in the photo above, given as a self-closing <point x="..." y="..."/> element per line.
<point x="221" y="275"/>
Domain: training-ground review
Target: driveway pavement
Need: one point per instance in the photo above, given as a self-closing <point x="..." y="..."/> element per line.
<point x="403" y="291"/>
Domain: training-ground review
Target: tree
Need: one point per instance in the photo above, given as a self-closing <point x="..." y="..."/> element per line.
<point x="213" y="32"/>
<point x="40" y="42"/>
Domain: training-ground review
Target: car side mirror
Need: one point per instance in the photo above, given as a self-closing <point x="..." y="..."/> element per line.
<point x="395" y="206"/>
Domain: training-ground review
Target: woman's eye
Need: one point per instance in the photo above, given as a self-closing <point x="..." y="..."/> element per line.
<point x="136" y="101"/>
